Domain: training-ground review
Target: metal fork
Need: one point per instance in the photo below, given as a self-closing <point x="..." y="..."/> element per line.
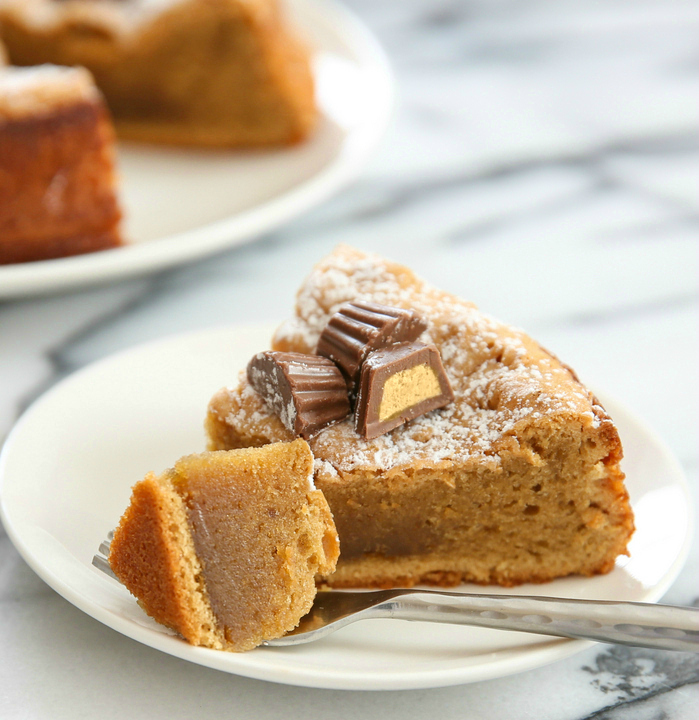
<point x="665" y="627"/>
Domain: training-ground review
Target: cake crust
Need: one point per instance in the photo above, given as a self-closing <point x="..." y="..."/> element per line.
<point x="518" y="480"/>
<point x="152" y="553"/>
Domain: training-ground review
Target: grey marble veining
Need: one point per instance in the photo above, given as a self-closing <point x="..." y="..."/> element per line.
<point x="543" y="161"/>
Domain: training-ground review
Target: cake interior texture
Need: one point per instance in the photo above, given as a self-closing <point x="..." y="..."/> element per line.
<point x="193" y="72"/>
<point x="225" y="547"/>
<point x="57" y="166"/>
<point x="518" y="480"/>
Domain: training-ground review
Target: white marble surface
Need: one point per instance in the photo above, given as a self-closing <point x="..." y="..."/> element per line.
<point x="543" y="161"/>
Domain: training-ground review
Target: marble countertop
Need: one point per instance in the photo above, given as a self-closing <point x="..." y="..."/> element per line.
<point x="543" y="161"/>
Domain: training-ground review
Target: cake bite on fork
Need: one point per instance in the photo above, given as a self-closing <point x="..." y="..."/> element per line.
<point x="225" y="547"/>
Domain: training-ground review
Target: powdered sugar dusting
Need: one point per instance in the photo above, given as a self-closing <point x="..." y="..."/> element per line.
<point x="110" y="17"/>
<point x="323" y="467"/>
<point x="40" y="89"/>
<point x="501" y="378"/>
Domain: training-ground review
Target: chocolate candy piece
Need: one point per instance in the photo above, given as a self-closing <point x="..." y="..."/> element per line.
<point x="357" y="328"/>
<point x="399" y="383"/>
<point x="307" y="392"/>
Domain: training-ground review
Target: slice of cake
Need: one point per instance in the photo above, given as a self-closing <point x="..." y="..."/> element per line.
<point x="57" y="179"/>
<point x="517" y="480"/>
<point x="224" y="73"/>
<point x="225" y="547"/>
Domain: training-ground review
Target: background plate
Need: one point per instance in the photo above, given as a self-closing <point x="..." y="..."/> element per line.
<point x="65" y="477"/>
<point x="181" y="205"/>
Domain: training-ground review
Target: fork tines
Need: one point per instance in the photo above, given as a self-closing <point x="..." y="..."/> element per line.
<point x="101" y="561"/>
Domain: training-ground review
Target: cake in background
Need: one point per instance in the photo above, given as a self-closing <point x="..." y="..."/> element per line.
<point x="219" y="73"/>
<point x="57" y="167"/>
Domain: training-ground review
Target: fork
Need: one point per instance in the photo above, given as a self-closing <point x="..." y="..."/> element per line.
<point x="664" y="627"/>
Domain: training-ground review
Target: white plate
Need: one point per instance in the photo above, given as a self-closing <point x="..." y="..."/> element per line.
<point x="65" y="478"/>
<point x="181" y="205"/>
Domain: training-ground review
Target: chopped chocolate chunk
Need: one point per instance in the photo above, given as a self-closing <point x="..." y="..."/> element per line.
<point x="357" y="328"/>
<point x="399" y="383"/>
<point x="307" y="392"/>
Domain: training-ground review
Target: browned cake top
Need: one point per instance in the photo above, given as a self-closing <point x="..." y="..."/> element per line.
<point x="503" y="381"/>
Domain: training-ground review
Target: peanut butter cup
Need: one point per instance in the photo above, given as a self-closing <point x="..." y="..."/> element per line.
<point x="307" y="392"/>
<point x="358" y="327"/>
<point x="399" y="383"/>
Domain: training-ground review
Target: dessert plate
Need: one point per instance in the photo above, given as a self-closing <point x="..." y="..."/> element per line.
<point x="104" y="427"/>
<point x="181" y="205"/>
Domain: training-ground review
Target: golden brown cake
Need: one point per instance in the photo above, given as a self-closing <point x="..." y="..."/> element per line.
<point x="225" y="547"/>
<point x="225" y="73"/>
<point x="518" y="480"/>
<point x="57" y="177"/>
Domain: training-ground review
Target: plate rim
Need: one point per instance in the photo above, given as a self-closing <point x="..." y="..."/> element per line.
<point x="134" y="260"/>
<point x="239" y="663"/>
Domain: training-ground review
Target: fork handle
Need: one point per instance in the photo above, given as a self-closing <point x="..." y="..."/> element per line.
<point x="664" y="627"/>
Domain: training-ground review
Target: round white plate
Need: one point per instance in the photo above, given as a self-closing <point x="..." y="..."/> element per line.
<point x="181" y="205"/>
<point x="68" y="466"/>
